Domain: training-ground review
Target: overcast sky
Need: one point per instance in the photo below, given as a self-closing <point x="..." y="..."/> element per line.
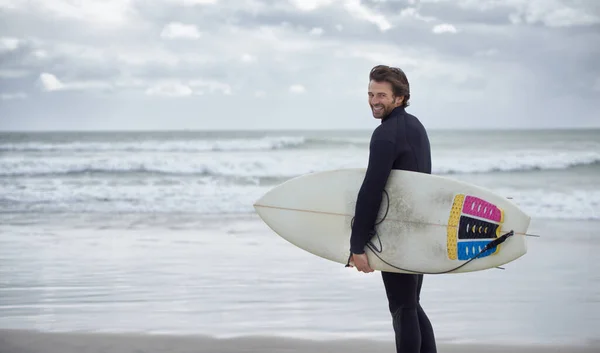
<point x="212" y="64"/>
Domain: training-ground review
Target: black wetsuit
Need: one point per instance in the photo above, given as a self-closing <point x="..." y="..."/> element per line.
<point x="399" y="142"/>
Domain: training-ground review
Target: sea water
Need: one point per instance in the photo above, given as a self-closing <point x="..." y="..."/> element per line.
<point x="155" y="232"/>
<point x="551" y="174"/>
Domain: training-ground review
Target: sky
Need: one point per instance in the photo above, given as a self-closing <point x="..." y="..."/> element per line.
<point x="295" y="64"/>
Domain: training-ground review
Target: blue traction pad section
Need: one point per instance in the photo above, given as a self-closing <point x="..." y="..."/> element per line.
<point x="469" y="249"/>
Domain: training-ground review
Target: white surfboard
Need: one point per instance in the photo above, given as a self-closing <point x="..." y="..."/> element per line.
<point x="433" y="224"/>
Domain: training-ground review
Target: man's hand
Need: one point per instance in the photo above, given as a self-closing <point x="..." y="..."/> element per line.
<point x="361" y="262"/>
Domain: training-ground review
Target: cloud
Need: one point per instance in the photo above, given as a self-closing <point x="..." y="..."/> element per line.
<point x="316" y="31"/>
<point x="444" y="28"/>
<point x="171" y="89"/>
<point x="194" y="2"/>
<point x="177" y="30"/>
<point x="357" y="9"/>
<point x="413" y="12"/>
<point x="212" y="86"/>
<point x="512" y="63"/>
<point x="311" y="5"/>
<point x="297" y="88"/>
<point x="9" y="44"/>
<point x="551" y="13"/>
<point x="102" y="13"/>
<point x="247" y="58"/>
<point x="50" y="82"/>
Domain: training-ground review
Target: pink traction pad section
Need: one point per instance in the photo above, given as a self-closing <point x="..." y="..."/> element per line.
<point x="479" y="208"/>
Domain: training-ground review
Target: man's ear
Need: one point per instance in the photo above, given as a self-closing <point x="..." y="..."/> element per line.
<point x="399" y="100"/>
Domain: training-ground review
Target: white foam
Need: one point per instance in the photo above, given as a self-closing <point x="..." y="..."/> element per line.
<point x="206" y="195"/>
<point x="241" y="164"/>
<point x="557" y="204"/>
<point x="203" y="196"/>
<point x="282" y="163"/>
<point x="200" y="145"/>
<point x="228" y="175"/>
<point x="460" y="162"/>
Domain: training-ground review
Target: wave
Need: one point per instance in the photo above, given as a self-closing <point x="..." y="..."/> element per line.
<point x="337" y="141"/>
<point x="180" y="146"/>
<point x="514" y="163"/>
<point x="264" y="165"/>
<point x="196" y="165"/>
<point x="205" y="197"/>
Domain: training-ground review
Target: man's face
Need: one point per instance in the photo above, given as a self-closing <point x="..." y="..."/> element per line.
<point x="382" y="99"/>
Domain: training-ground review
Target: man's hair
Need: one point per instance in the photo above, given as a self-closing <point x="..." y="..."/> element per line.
<point x="396" y="77"/>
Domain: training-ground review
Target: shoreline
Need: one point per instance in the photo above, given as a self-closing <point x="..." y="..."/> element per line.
<point x="30" y="341"/>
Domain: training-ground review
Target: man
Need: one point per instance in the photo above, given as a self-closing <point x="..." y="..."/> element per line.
<point x="399" y="142"/>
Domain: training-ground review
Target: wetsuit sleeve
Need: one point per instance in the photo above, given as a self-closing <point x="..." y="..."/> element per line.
<point x="381" y="159"/>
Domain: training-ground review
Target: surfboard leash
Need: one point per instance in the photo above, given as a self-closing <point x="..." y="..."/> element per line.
<point x="494" y="243"/>
<point x="371" y="233"/>
<point x="376" y="251"/>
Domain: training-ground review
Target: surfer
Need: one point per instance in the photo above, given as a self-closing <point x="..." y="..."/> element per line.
<point x="400" y="141"/>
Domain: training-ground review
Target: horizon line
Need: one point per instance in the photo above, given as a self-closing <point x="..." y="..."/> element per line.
<point x="557" y="128"/>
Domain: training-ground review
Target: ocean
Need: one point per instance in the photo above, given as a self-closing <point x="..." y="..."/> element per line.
<point x="155" y="232"/>
<point x="551" y="174"/>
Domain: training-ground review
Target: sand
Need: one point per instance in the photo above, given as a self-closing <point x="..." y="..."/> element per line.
<point x="21" y="341"/>
<point x="234" y="278"/>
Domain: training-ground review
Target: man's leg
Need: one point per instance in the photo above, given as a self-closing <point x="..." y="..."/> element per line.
<point x="427" y="336"/>
<point x="402" y="293"/>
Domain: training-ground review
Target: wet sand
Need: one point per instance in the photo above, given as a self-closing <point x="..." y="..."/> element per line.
<point x="22" y="341"/>
<point x="229" y="277"/>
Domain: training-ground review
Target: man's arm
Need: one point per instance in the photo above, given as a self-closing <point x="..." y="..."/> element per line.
<point x="381" y="159"/>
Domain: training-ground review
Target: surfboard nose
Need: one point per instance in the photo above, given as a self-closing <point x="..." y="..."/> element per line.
<point x="258" y="206"/>
<point x="265" y="199"/>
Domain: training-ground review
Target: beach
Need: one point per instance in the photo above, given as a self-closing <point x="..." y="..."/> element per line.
<point x="150" y="244"/>
<point x="28" y="342"/>
<point x="227" y="277"/>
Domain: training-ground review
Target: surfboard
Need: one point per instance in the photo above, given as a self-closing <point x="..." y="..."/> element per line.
<point x="426" y="223"/>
